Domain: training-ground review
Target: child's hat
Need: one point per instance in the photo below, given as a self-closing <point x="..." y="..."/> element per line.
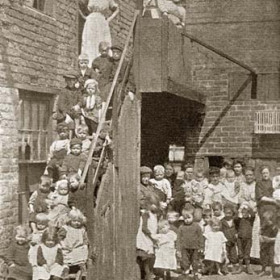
<point x="145" y="170"/>
<point x="83" y="56"/>
<point x="117" y="47"/>
<point x="90" y="81"/>
<point x="75" y="141"/>
<point x="62" y="127"/>
<point x="70" y="75"/>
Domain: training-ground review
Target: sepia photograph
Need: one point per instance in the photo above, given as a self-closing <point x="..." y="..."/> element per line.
<point x="139" y="139"/>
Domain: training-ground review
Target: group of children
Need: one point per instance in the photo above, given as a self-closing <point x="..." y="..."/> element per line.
<point x="55" y="242"/>
<point x="191" y="224"/>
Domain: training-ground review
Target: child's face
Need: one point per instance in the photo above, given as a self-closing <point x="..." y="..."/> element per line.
<point x="207" y="218"/>
<point x="70" y="82"/>
<point x="83" y="64"/>
<point x="64" y="134"/>
<point x="188" y="219"/>
<point x="91" y="88"/>
<point x="189" y="174"/>
<point x="73" y="183"/>
<point x="215" y="179"/>
<point x="228" y="214"/>
<point x="159" y="175"/>
<point x="104" y="51"/>
<point x="168" y="171"/>
<point x="44" y="187"/>
<point x="63" y="189"/>
<point x="172" y="218"/>
<point x="217" y="211"/>
<point x="116" y="55"/>
<point x="215" y="227"/>
<point x="76" y="150"/>
<point x="50" y="243"/>
<point x="228" y="166"/>
<point x="265" y="174"/>
<point x="199" y="177"/>
<point x="76" y="223"/>
<point x="249" y="176"/>
<point x="230" y="178"/>
<point x="103" y="134"/>
<point x="82" y="135"/>
<point x="165" y="228"/>
<point x="145" y="179"/>
<point x="21" y="240"/>
<point x="41" y="225"/>
<point x="245" y="213"/>
<point x="237" y="169"/>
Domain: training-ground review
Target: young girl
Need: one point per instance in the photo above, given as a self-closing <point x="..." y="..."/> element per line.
<point x="74" y="241"/>
<point x="59" y="204"/>
<point x="165" y="252"/>
<point x="218" y="210"/>
<point x="40" y="200"/>
<point x="215" y="247"/>
<point x="161" y="183"/>
<point x="82" y="134"/>
<point x="17" y="255"/>
<point x="58" y="150"/>
<point x="50" y="257"/>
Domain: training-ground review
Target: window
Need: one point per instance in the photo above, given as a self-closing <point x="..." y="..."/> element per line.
<point x="44" y="6"/>
<point x="267" y="122"/>
<point x="34" y="127"/>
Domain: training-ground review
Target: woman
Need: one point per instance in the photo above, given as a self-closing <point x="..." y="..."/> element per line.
<point x="238" y="171"/>
<point x="264" y="191"/>
<point x="96" y="28"/>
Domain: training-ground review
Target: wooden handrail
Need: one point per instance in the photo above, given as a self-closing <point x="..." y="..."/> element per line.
<point x="104" y="112"/>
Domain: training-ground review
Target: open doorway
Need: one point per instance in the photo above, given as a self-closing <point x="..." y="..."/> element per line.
<point x="166" y="119"/>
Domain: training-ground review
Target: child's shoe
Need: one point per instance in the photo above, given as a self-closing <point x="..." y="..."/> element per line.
<point x="249" y="269"/>
<point x="186" y="272"/>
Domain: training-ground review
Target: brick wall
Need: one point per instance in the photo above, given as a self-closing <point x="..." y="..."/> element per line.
<point x="35" y="51"/>
<point x="250" y="32"/>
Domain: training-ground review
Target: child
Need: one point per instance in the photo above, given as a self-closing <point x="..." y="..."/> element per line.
<point x="215" y="247"/>
<point x="218" y="210"/>
<point x="74" y="241"/>
<point x="144" y="241"/>
<point x="17" y="255"/>
<point x="77" y="195"/>
<point x="267" y="238"/>
<point x="231" y="190"/>
<point x="213" y="192"/>
<point x="276" y="178"/>
<point x="59" y="204"/>
<point x="50" y="257"/>
<point x="85" y="72"/>
<point x="190" y="242"/>
<point x="58" y="150"/>
<point x="103" y="65"/>
<point x="230" y="232"/>
<point x="40" y="200"/>
<point x="165" y="251"/>
<point x="161" y="183"/>
<point x="173" y="220"/>
<point x="227" y="165"/>
<point x="244" y="226"/>
<point x="42" y="222"/>
<point x="90" y="106"/>
<point x="82" y="134"/>
<point x="75" y="161"/>
<point x="205" y="222"/>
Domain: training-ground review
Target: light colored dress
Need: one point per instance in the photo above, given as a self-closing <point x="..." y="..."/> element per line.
<point x="144" y="242"/>
<point x="166" y="252"/>
<point x="74" y="245"/>
<point x="275" y="181"/>
<point x="96" y="28"/>
<point x="229" y="193"/>
<point x="214" y="246"/>
<point x="277" y="249"/>
<point x="163" y="185"/>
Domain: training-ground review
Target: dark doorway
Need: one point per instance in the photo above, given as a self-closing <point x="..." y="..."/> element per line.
<point x="166" y="119"/>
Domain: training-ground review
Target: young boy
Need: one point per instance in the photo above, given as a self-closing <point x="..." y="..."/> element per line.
<point x="230" y="232"/>
<point x="75" y="161"/>
<point x="244" y="226"/>
<point x="85" y="73"/>
<point x="189" y="243"/>
<point x="82" y="134"/>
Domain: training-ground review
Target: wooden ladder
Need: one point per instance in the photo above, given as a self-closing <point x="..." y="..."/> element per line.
<point x="107" y="108"/>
